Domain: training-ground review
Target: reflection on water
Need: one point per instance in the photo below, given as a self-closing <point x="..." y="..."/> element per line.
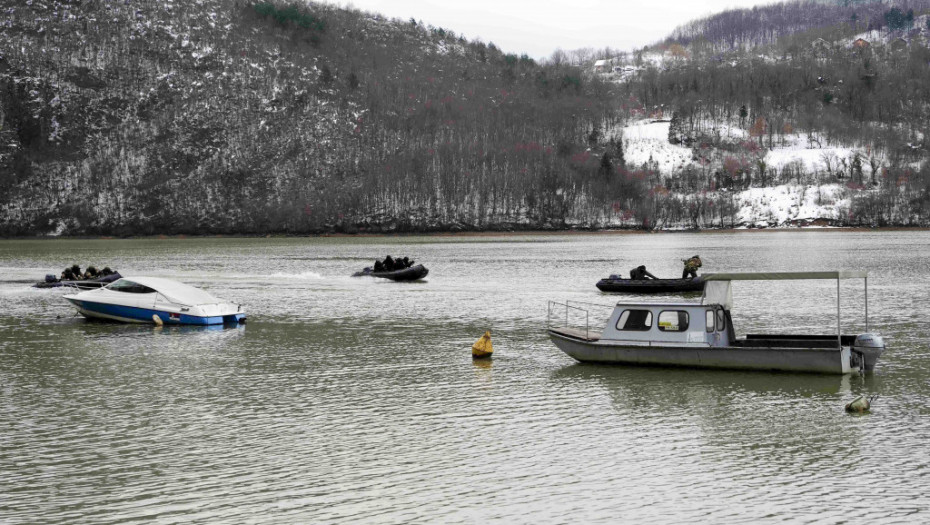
<point x="723" y="381"/>
<point x="349" y="400"/>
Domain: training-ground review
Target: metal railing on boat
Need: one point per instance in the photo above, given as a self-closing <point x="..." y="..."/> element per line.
<point x="557" y="307"/>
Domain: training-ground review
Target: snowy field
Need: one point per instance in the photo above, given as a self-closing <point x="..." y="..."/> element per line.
<point x="646" y="141"/>
<point x="787" y="204"/>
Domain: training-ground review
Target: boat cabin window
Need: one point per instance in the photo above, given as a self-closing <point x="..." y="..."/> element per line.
<point x="673" y="321"/>
<point x="709" y="320"/>
<point x="721" y="321"/>
<point x="129" y="287"/>
<point x="635" y="320"/>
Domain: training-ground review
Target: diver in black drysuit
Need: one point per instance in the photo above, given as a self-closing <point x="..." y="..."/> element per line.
<point x="640" y="274"/>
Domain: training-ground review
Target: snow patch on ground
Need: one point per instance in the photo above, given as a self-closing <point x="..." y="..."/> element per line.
<point x="812" y="160"/>
<point x="779" y="205"/>
<point x="59" y="229"/>
<point x="647" y="139"/>
<point x="725" y="132"/>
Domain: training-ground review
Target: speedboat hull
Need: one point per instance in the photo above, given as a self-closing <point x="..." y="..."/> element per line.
<point x="134" y="314"/>
<point x="808" y="359"/>
<point x="154" y="300"/>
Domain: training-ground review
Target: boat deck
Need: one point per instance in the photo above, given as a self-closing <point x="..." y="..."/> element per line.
<point x="577" y="334"/>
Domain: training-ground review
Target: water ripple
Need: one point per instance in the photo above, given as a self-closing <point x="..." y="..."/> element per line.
<point x="348" y="400"/>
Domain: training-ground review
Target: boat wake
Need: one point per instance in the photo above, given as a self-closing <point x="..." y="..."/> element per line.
<point x="307" y="276"/>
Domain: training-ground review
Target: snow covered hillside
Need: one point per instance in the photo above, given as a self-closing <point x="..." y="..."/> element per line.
<point x="805" y="183"/>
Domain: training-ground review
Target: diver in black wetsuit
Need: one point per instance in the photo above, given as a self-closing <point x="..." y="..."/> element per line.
<point x="640" y="274"/>
<point x="389" y="264"/>
<point x="379" y="266"/>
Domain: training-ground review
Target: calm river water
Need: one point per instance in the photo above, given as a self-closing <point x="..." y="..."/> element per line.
<point x="354" y="400"/>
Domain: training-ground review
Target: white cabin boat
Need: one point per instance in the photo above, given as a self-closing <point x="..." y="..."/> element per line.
<point x="701" y="334"/>
<point x="142" y="299"/>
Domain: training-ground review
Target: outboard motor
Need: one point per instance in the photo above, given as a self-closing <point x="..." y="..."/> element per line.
<point x="49" y="278"/>
<point x="869" y="347"/>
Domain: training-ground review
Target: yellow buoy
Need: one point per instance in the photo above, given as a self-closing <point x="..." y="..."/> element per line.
<point x="482" y="348"/>
<point x="158" y="321"/>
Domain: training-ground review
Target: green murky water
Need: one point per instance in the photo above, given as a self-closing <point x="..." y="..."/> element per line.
<point x="347" y="400"/>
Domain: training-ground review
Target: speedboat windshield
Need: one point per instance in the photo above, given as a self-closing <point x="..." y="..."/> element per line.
<point x="127" y="286"/>
<point x="178" y="292"/>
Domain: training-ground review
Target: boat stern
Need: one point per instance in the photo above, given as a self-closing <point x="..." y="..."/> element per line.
<point x="234" y="318"/>
<point x="870" y="347"/>
<point x="210" y="314"/>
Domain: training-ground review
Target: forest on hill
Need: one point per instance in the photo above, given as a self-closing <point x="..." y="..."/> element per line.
<point x="846" y="84"/>
<point x="247" y="117"/>
<point x="233" y="116"/>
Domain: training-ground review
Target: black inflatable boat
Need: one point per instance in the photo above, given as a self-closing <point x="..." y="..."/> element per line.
<point x="86" y="284"/>
<point x="407" y="274"/>
<point x="615" y="283"/>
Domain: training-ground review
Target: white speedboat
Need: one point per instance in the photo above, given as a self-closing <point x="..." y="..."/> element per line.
<point x="701" y="334"/>
<point x="155" y="300"/>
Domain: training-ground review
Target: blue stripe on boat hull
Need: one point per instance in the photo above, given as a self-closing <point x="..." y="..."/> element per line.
<point x="131" y="314"/>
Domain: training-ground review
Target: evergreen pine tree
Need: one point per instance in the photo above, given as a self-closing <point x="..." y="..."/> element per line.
<point x="615" y="148"/>
<point x="607" y="167"/>
<point x="326" y="76"/>
<point x="674" y="129"/>
<point x="594" y="136"/>
<point x="857" y="167"/>
<point x="895" y="19"/>
<point x="618" y="155"/>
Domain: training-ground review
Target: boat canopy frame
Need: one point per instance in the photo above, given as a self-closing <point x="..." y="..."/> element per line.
<point x="717" y="293"/>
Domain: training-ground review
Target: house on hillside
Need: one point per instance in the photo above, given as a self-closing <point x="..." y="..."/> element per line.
<point x="601" y="66"/>
<point x="861" y="43"/>
<point x="898" y="44"/>
<point x="820" y="48"/>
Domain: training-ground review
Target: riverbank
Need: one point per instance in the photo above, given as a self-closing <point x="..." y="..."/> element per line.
<point x="481" y="233"/>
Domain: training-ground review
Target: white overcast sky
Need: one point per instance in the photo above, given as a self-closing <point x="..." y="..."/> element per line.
<point x="539" y="27"/>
